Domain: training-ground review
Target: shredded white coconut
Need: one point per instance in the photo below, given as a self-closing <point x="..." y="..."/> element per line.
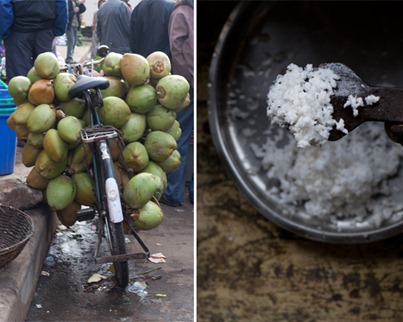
<point x="355" y="103"/>
<point x="300" y="99"/>
<point x="371" y="99"/>
<point x="343" y="181"/>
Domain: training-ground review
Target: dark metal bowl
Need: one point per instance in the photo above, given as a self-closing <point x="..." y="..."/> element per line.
<point x="257" y="43"/>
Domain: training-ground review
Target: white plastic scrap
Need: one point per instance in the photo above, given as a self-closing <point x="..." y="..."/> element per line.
<point x="157" y="258"/>
<point x="95" y="278"/>
<point x="139" y="288"/>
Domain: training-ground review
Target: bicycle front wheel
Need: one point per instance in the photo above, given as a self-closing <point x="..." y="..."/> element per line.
<point x="116" y="241"/>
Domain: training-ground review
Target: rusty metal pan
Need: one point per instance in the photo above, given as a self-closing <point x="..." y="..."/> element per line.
<point x="258" y="42"/>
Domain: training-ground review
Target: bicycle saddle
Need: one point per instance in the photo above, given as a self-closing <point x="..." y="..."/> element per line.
<point x="87" y="82"/>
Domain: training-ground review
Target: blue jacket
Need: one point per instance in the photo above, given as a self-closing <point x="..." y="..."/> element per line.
<point x="28" y="16"/>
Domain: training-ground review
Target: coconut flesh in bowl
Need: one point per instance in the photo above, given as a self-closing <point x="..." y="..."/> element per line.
<point x="344" y="182"/>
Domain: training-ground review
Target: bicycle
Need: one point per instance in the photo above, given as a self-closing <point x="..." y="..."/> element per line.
<point x="109" y="208"/>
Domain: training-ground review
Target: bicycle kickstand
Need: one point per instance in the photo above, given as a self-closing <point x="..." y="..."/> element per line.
<point x="126" y="257"/>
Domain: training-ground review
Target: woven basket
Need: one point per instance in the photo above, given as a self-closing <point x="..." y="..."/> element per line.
<point x="16" y="228"/>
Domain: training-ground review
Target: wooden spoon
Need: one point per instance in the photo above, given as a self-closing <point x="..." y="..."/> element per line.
<point x="389" y="108"/>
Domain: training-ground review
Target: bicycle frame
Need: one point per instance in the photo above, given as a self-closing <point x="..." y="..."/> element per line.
<point x="111" y="189"/>
<point x="109" y="207"/>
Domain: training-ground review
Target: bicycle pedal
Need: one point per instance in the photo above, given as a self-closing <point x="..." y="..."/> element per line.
<point x="85" y="214"/>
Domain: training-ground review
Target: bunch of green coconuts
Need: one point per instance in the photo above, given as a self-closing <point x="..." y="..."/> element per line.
<point x="141" y="102"/>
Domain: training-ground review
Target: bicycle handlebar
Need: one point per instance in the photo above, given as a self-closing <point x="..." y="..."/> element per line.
<point x="102" y="51"/>
<point x="78" y="67"/>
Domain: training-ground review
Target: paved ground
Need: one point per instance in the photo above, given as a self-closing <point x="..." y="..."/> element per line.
<point x="62" y="293"/>
<point x="165" y="293"/>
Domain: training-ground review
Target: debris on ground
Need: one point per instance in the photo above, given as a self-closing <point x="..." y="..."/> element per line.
<point x="103" y="285"/>
<point x="96" y="278"/>
<point x="157" y="258"/>
<point x="139" y="288"/>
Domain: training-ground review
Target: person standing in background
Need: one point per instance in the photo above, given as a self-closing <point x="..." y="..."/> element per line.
<point x="76" y="8"/>
<point x="95" y="38"/>
<point x="181" y="40"/>
<point x="113" y="26"/>
<point x="27" y="29"/>
<point x="149" y="27"/>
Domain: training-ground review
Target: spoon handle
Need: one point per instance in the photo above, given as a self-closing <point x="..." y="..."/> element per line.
<point x="388" y="108"/>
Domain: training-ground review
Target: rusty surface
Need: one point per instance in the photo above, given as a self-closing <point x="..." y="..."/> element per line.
<point x="251" y="270"/>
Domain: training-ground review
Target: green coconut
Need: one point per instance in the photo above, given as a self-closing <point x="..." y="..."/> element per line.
<point x="18" y="88"/>
<point x="33" y="75"/>
<point x="68" y="215"/>
<point x="69" y="129"/>
<point x="86" y="118"/>
<point x="148" y="217"/>
<point x="55" y="147"/>
<point x="172" y="163"/>
<point x="47" y="65"/>
<point x="35" y="180"/>
<point x="117" y="87"/>
<point x="155" y="169"/>
<point x="62" y="84"/>
<point x="21" y="130"/>
<point x="75" y="107"/>
<point x="134" y="128"/>
<point x="60" y="192"/>
<point x="175" y="130"/>
<point x="140" y="189"/>
<point x="85" y="184"/>
<point x="142" y="98"/>
<point x="115" y="112"/>
<point x="172" y="91"/>
<point x="41" y="119"/>
<point x="160" y="145"/>
<point x="10" y="122"/>
<point x="111" y="64"/>
<point x="135" y="69"/>
<point x="160" y="118"/>
<point x="22" y="113"/>
<point x="35" y="139"/>
<point x="29" y="154"/>
<point x="80" y="158"/>
<point x="134" y="157"/>
<point x="48" y="168"/>
<point x="160" y="64"/>
<point x="184" y="105"/>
